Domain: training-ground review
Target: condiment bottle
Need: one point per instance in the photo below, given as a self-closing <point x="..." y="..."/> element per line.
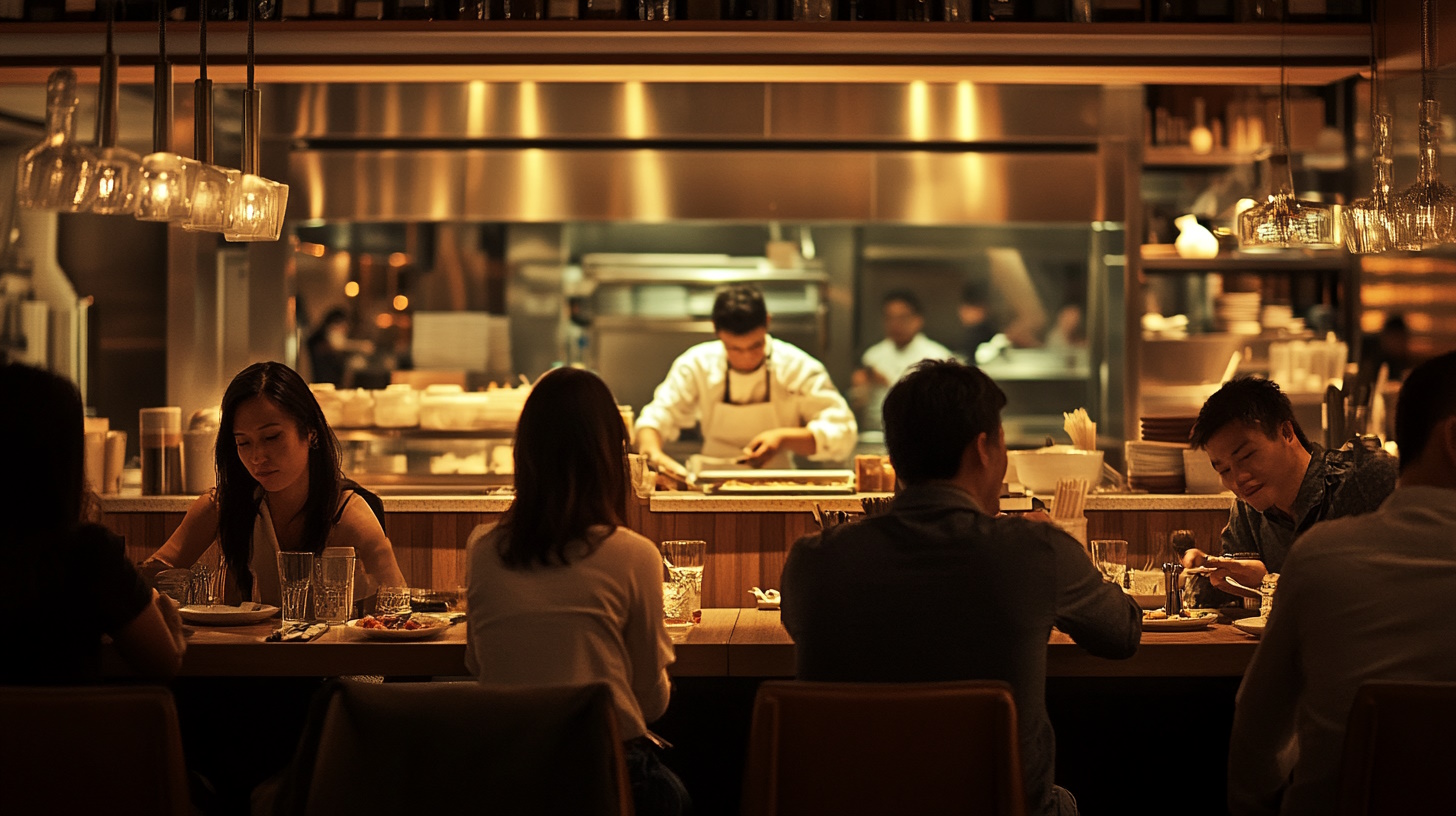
<point x="1172" y="598"/>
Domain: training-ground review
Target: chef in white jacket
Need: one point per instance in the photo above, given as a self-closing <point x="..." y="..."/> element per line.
<point x="759" y="400"/>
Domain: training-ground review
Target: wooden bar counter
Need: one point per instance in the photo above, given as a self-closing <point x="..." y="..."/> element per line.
<point x="748" y="536"/>
<point x="729" y="643"/>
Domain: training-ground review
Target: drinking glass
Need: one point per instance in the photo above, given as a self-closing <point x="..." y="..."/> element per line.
<point x="208" y="582"/>
<point x="1110" y="556"/>
<point x="392" y="600"/>
<point x="333" y="596"/>
<point x="684" y="562"/>
<point x="175" y="584"/>
<point x="295" y="574"/>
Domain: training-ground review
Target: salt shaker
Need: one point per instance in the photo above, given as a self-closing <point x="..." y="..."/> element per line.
<point x="1172" y="598"/>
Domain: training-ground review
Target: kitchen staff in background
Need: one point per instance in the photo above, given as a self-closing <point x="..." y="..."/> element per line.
<point x="759" y="399"/>
<point x="905" y="343"/>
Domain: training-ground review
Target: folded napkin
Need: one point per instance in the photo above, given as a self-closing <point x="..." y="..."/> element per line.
<point x="297" y="632"/>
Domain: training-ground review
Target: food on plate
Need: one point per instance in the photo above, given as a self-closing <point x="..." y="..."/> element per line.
<point x="740" y="483"/>
<point x="408" y="623"/>
<point x="1162" y="614"/>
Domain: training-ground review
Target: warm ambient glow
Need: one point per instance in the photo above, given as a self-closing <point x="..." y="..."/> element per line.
<point x="401" y="303"/>
<point x="398" y="259"/>
<point x="351" y="289"/>
<point x="310" y="248"/>
<point x="384" y="320"/>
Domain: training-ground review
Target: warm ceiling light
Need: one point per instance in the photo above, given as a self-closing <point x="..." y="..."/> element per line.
<point x="212" y="185"/>
<point x="400" y="303"/>
<point x="258" y="204"/>
<point x="56" y="174"/>
<point x="1283" y="221"/>
<point x="167" y="178"/>
<point x="117" y="174"/>
<point x="351" y="289"/>
<point x="398" y="259"/>
<point x="1425" y="212"/>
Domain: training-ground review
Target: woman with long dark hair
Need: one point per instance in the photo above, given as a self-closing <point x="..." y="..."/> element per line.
<point x="51" y="560"/>
<point x="560" y="591"/>
<point x="279" y="488"/>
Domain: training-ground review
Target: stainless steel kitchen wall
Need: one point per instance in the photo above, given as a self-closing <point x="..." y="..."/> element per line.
<point x="911" y="153"/>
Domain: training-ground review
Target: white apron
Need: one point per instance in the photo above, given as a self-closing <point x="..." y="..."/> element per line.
<point x="734" y="426"/>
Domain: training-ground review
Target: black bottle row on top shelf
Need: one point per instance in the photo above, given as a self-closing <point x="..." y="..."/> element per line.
<point x="801" y="10"/>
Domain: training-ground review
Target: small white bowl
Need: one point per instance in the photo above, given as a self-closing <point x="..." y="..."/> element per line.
<point x="1040" y="469"/>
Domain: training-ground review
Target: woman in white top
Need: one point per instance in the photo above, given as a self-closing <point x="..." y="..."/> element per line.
<point x="279" y="488"/>
<point x="560" y="591"/>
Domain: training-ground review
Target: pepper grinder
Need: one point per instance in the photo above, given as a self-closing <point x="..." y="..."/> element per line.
<point x="1172" y="598"/>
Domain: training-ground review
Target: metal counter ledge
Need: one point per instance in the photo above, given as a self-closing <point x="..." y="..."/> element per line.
<point x="729" y="642"/>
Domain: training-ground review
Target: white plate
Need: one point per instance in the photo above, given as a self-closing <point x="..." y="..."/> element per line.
<point x="1252" y="626"/>
<point x="1178" y="624"/>
<point x="220" y="615"/>
<point x="402" y="634"/>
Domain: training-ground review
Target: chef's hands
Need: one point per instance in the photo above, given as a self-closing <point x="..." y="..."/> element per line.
<point x="767" y="444"/>
<point x="649" y="445"/>
<point x="1248" y="572"/>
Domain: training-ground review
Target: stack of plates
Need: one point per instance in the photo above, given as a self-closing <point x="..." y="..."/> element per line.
<point x="1238" y="312"/>
<point x="1173" y="429"/>
<point x="1156" y="467"/>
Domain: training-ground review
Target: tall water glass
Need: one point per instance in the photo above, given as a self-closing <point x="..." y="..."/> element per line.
<point x="333" y="589"/>
<point x="295" y="574"/>
<point x="684" y="562"/>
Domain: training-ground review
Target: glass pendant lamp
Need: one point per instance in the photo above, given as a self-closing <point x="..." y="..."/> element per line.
<point x="1369" y="222"/>
<point x="1283" y="221"/>
<point x="117" y="176"/>
<point x="167" y="178"/>
<point x="1425" y="212"/>
<point x="258" y="204"/>
<point x="212" y="192"/>
<point x="56" y="174"/>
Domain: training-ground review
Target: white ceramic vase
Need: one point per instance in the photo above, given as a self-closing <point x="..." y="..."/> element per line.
<point x="1194" y="240"/>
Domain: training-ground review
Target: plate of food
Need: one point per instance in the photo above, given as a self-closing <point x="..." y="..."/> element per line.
<point x="1251" y="626"/>
<point x="223" y="615"/>
<point x="1158" y="620"/>
<point x="400" y="627"/>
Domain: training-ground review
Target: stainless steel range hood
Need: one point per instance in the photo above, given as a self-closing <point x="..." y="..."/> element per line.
<point x="913" y="153"/>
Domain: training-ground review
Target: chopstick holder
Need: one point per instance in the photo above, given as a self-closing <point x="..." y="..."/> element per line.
<point x="297" y="633"/>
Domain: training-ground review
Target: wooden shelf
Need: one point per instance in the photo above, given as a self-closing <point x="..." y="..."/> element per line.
<point x="353" y="51"/>
<point x="1332" y="260"/>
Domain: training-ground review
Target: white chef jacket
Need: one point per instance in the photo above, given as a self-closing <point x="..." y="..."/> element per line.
<point x="892" y="361"/>
<point x="799" y="392"/>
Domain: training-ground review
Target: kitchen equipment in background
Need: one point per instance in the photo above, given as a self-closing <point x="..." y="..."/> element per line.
<point x="1198" y="473"/>
<point x="198" y="450"/>
<point x="1156" y="467"/>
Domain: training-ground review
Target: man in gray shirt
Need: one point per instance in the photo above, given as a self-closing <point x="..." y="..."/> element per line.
<point x="1284" y="483"/>
<point x="940" y="588"/>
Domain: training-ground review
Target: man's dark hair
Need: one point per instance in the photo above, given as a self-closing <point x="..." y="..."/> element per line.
<point x="739" y="310"/>
<point x="933" y="413"/>
<point x="1427" y="396"/>
<point x="1251" y="401"/>
<point x="904" y="296"/>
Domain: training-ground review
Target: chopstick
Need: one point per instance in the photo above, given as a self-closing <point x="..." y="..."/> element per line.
<point x="1069" y="499"/>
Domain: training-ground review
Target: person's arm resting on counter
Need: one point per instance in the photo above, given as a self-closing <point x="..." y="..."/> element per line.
<point x="1095" y="613"/>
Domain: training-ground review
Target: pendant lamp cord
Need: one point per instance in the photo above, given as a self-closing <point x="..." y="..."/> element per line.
<point x="1283" y="136"/>
<point x="202" y="47"/>
<point x="252" y="13"/>
<point x="1428" y="24"/>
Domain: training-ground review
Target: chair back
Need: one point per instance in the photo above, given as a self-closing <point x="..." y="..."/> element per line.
<point x="877" y="748"/>
<point x="1400" y="747"/>
<point x="91" y="749"/>
<point x="466" y="748"/>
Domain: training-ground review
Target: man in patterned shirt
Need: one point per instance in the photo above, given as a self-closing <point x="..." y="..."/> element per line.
<point x="1283" y="482"/>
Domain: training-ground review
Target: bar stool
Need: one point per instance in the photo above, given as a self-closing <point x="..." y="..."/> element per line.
<point x="1399" y="749"/>
<point x="877" y="748"/>
<point x="91" y="749"/>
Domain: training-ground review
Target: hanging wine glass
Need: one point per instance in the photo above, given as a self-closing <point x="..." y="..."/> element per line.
<point x="56" y="174"/>
<point x="168" y="178"/>
<point x="1425" y="212"/>
<point x="258" y="204"/>
<point x="1284" y="221"/>
<point x="1370" y="222"/>
<point x="117" y="175"/>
